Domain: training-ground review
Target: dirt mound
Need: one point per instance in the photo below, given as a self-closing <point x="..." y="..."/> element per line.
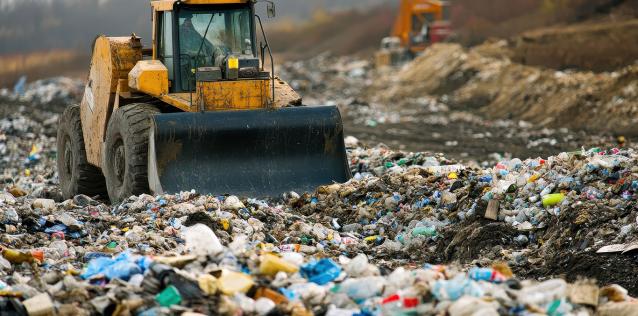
<point x="477" y="21"/>
<point x="486" y="80"/>
<point x="591" y="46"/>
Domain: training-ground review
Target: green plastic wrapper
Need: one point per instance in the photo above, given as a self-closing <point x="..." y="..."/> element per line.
<point x="424" y="231"/>
<point x="553" y="199"/>
<point x="170" y="296"/>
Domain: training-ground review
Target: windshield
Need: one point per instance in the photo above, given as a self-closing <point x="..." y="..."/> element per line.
<point x="229" y="33"/>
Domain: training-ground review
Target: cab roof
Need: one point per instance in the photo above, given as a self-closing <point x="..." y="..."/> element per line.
<point x="167" y="5"/>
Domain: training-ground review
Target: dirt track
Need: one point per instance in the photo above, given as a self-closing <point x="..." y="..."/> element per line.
<point x="464" y="136"/>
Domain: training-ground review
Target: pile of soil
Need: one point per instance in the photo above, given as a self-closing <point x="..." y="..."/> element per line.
<point x="485" y="80"/>
<point x="604" y="46"/>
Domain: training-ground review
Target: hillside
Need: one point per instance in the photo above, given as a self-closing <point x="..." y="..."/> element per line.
<point x="62" y="30"/>
<point x="64" y="24"/>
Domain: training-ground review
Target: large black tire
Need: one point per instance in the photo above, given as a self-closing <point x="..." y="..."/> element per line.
<point x="125" y="154"/>
<point x="76" y="175"/>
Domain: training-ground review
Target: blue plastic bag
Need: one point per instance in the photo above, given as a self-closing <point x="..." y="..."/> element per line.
<point x="123" y="266"/>
<point x="321" y="272"/>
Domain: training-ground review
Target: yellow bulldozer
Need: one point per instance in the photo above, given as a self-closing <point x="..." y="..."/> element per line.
<point x="196" y="110"/>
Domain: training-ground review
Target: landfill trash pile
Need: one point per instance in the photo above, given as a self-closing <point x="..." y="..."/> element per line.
<point x="58" y="91"/>
<point x="411" y="233"/>
<point x="407" y="109"/>
<point x="28" y="150"/>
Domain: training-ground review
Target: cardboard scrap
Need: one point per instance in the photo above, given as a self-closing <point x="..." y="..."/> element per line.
<point x="492" y="209"/>
<point x="584" y="294"/>
<point x="622" y="248"/>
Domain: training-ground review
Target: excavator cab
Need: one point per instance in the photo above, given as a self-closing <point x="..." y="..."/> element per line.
<point x="196" y="111"/>
<point x="419" y="24"/>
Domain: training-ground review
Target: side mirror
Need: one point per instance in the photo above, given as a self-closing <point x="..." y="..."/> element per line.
<point x="271" y="9"/>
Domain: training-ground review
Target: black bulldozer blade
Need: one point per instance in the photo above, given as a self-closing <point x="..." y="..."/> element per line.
<point x="257" y="153"/>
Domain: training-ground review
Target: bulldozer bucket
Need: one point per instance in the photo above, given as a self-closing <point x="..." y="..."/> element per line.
<point x="258" y="153"/>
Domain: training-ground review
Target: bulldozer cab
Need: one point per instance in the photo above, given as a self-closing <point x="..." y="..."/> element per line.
<point x="216" y="39"/>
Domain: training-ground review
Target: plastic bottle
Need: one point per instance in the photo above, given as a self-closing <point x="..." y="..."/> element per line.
<point x="399" y="305"/>
<point x="294" y="258"/>
<point x="263" y="306"/>
<point x="290" y="248"/>
<point x="232" y="282"/>
<point x="17" y="257"/>
<point x="270" y="294"/>
<point x="547" y="190"/>
<point x="543" y="293"/>
<point x="363" y="288"/>
<point x="486" y="274"/>
<point x="335" y="311"/>
<point x="271" y="265"/>
<point x="357" y="266"/>
<point x="559" y="307"/>
<point x="455" y="288"/>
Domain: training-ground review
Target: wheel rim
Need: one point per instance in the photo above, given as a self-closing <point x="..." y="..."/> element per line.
<point x="68" y="158"/>
<point x="119" y="162"/>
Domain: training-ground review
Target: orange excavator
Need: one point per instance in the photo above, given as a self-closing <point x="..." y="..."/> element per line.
<point x="419" y="24"/>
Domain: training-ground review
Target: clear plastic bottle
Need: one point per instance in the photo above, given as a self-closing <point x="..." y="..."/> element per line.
<point x="400" y="304"/>
<point x="543" y="293"/>
<point x="363" y="288"/>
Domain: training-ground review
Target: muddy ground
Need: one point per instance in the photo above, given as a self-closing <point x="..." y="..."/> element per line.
<point x="430" y="122"/>
<point x="464" y="136"/>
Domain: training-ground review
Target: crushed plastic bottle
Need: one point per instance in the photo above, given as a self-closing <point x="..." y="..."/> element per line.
<point x="271" y="265"/>
<point x="456" y="288"/>
<point x="543" y="293"/>
<point x="362" y="288"/>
